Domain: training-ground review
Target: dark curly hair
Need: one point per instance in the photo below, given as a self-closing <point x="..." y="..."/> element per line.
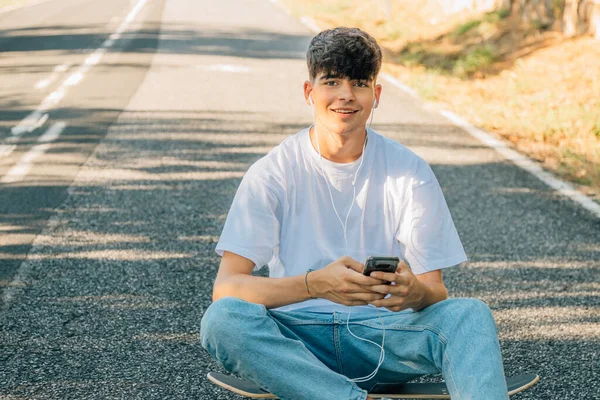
<point x="344" y="52"/>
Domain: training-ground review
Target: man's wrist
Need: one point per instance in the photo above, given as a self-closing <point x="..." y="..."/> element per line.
<point x="311" y="281"/>
<point x="432" y="293"/>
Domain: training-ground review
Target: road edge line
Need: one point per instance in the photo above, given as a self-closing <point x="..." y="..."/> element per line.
<point x="522" y="161"/>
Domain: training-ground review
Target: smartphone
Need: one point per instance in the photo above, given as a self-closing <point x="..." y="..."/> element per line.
<point x="383" y="264"/>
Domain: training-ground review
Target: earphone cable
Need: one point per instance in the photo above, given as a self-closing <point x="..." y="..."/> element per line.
<point x="344" y="226"/>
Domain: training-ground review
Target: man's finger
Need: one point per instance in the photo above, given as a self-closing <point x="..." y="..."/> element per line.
<point x="368" y="297"/>
<point x="402" y="267"/>
<point x="353" y="264"/>
<point x="397" y="277"/>
<point x="388" y="303"/>
<point x="364" y="280"/>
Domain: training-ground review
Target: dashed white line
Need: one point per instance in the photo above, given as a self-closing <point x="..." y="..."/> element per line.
<point x="19" y="171"/>
<point x="74" y="79"/>
<point x="31" y="122"/>
<point x="7" y="149"/>
<point x="59" y="69"/>
<point x="22" y="168"/>
<point x="36" y="118"/>
<point x="53" y="132"/>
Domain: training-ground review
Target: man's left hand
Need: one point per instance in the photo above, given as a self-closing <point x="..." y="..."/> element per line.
<point x="406" y="291"/>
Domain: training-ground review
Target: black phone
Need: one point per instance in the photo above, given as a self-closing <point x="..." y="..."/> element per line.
<point x="383" y="264"/>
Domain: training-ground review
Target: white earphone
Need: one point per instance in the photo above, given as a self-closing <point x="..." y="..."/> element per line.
<point x="344" y="225"/>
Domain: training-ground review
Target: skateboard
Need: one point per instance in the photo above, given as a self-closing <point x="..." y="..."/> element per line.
<point x="515" y="384"/>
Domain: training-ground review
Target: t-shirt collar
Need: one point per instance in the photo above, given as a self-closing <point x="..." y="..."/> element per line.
<point x="328" y="164"/>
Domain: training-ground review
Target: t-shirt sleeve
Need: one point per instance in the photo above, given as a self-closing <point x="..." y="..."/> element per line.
<point x="426" y="229"/>
<point x="252" y="226"/>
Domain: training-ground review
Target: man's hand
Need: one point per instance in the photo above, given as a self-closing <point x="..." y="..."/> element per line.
<point x="342" y="282"/>
<point x="408" y="291"/>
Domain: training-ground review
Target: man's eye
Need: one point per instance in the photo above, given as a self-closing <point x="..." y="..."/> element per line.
<point x="330" y="83"/>
<point x="361" y="84"/>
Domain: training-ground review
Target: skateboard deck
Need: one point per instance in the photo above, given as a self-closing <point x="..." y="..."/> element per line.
<point x="515" y="384"/>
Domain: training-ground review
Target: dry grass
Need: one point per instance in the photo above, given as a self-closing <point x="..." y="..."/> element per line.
<point x="528" y="85"/>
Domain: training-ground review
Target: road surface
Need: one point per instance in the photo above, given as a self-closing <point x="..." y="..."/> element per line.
<point x="125" y="128"/>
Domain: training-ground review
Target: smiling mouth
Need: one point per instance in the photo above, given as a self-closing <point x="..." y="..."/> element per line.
<point x="346" y="111"/>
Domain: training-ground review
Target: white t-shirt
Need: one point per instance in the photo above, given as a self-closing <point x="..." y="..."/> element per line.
<point x="282" y="214"/>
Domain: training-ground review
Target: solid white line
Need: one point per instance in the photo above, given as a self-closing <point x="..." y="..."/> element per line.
<point x="518" y="159"/>
<point x="310" y="24"/>
<point x="399" y="85"/>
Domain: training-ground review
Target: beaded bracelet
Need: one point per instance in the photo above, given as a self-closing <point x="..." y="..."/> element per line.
<point x="306" y="281"/>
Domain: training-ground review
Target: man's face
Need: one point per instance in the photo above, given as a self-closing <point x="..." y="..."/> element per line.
<point x="342" y="104"/>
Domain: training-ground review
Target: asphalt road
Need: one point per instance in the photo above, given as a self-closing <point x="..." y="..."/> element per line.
<point x="107" y="242"/>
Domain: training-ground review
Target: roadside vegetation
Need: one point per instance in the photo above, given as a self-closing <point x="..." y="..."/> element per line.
<point x="522" y="81"/>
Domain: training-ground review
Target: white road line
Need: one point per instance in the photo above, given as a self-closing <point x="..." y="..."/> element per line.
<point x="310" y="24"/>
<point x="59" y="69"/>
<point x="225" y="68"/>
<point x="22" y="168"/>
<point x="31" y="122"/>
<point x="35" y="119"/>
<point x="399" y="85"/>
<point x="518" y="159"/>
<point x="7" y="149"/>
<point x="564" y="188"/>
<point x="53" y="132"/>
<point x="19" y="171"/>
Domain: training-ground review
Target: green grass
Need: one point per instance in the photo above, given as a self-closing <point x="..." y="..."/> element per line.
<point x="496" y="16"/>
<point x="596" y="128"/>
<point x="466" y="27"/>
<point x="476" y="59"/>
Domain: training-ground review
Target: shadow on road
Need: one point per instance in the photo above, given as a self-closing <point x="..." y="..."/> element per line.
<point x="114" y="288"/>
<point x="112" y="292"/>
<point x="176" y="39"/>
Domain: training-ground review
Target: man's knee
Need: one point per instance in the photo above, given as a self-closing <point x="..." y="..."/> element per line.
<point x="467" y="311"/>
<point x="225" y="317"/>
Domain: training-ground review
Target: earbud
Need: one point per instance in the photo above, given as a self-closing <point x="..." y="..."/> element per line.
<point x="375" y="103"/>
<point x="310" y="100"/>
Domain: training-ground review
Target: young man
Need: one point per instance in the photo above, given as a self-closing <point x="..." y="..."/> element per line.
<point x="314" y="209"/>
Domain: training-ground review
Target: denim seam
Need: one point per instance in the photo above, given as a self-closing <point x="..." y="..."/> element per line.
<point x="296" y="323"/>
<point x="450" y="378"/>
<point x="338" y="348"/>
<point x="446" y="360"/>
<point x="414" y="328"/>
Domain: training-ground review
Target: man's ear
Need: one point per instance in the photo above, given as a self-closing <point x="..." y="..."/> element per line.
<point x="377" y="95"/>
<point x="308" y="87"/>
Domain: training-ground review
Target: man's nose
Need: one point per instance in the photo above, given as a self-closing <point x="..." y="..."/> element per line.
<point x="346" y="92"/>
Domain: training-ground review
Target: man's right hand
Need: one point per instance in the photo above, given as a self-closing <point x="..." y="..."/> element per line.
<point x="342" y="282"/>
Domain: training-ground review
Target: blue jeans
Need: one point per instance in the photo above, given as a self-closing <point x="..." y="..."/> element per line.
<point x="306" y="355"/>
